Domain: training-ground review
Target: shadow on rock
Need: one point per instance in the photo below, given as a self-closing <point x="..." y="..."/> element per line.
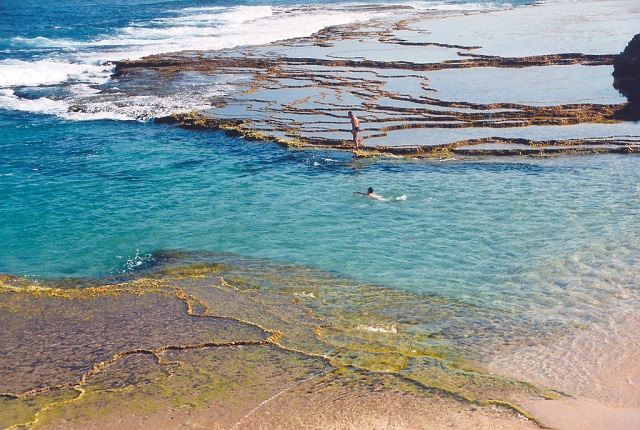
<point x="626" y="79"/>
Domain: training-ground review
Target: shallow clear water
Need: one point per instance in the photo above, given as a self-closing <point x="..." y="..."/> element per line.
<point x="489" y="260"/>
<point x="96" y="198"/>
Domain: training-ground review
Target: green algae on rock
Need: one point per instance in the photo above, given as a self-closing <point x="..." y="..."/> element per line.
<point x="179" y="335"/>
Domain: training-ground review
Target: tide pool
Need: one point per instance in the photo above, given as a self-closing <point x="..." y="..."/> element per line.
<point x="97" y="198"/>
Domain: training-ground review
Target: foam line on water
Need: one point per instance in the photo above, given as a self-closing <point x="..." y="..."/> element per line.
<point x="48" y="72"/>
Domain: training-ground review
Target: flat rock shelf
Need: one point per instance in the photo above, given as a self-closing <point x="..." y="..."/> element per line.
<point x="429" y="86"/>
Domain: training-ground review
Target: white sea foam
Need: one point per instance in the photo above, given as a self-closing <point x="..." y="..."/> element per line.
<point x="43" y="42"/>
<point x="44" y="105"/>
<point x="447" y="6"/>
<point x="217" y="28"/>
<point x="378" y="328"/>
<point x="48" y="72"/>
<point x="82" y="67"/>
<point x="137" y="261"/>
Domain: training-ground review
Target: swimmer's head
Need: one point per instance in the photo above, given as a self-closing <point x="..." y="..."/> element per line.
<point x="369" y="190"/>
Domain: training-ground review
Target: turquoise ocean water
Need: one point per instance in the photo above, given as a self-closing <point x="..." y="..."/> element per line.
<point x="87" y="199"/>
<point x="97" y="194"/>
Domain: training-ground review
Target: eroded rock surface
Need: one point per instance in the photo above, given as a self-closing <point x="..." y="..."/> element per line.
<point x="418" y="91"/>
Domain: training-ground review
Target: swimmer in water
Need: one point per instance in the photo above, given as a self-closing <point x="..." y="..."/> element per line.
<point x="371" y="194"/>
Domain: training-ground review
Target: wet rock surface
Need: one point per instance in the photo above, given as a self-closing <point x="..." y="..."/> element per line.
<point x="417" y="90"/>
<point x="178" y="340"/>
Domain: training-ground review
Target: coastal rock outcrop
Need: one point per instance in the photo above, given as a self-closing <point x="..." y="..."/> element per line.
<point x="626" y="74"/>
<point x="469" y="98"/>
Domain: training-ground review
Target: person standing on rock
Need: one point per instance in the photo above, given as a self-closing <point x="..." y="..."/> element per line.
<point x="355" y="128"/>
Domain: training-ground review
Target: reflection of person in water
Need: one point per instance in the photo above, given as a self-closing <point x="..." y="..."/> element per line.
<point x="355" y="128"/>
<point x="371" y="194"/>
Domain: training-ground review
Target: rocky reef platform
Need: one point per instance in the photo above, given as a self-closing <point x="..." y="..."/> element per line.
<point x="533" y="80"/>
<point x="204" y="340"/>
